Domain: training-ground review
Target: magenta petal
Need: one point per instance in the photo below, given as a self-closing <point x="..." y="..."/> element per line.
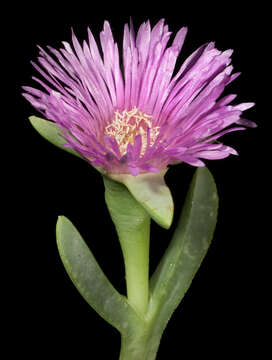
<point x="214" y="155"/>
<point x="134" y="170"/>
<point x="137" y="146"/>
<point x="247" y="123"/>
<point x="112" y="143"/>
<point x="244" y="106"/>
<point x="192" y="160"/>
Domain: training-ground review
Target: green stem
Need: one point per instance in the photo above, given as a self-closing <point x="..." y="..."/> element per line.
<point x="135" y="248"/>
<point x="141" y="344"/>
<point x="132" y="223"/>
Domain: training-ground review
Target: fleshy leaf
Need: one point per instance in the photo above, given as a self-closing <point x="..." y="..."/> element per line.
<point x="152" y="193"/>
<point x="90" y="280"/>
<point x="187" y="249"/>
<point x="50" y="131"/>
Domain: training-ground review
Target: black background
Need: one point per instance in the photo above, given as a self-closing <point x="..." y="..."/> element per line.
<point x="220" y="314"/>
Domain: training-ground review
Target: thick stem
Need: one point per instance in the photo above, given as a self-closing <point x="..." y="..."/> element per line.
<point x="132" y="223"/>
<point x="135" y="249"/>
<point x="140" y="345"/>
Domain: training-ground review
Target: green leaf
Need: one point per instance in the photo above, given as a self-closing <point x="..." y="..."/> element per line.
<point x="50" y="131"/>
<point x="187" y="249"/>
<point x="90" y="280"/>
<point x="152" y="193"/>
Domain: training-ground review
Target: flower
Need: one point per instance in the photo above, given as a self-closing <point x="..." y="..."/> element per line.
<point x="134" y="116"/>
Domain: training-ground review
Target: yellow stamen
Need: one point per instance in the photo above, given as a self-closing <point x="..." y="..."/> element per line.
<point x="128" y="124"/>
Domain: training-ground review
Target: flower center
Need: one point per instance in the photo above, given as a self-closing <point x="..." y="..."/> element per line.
<point x="127" y="125"/>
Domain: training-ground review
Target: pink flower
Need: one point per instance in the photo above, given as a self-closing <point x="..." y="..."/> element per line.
<point x="137" y="117"/>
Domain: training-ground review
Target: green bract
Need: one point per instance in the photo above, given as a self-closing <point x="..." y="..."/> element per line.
<point x="152" y="193"/>
<point x="50" y="131"/>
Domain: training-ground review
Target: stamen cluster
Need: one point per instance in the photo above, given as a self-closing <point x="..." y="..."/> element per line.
<point x="127" y="125"/>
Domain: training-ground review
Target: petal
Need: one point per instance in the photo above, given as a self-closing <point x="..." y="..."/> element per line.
<point x="244" y="106"/>
<point x="247" y="123"/>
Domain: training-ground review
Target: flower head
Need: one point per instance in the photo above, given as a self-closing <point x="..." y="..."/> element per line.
<point x="138" y="117"/>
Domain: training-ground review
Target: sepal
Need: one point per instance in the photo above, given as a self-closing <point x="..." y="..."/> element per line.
<point x="51" y="132"/>
<point x="151" y="191"/>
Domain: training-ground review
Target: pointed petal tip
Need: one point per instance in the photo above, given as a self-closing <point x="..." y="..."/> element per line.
<point x="233" y="151"/>
<point x="106" y="26"/>
<point x="253" y="125"/>
<point x="247" y="123"/>
<point x="184" y="29"/>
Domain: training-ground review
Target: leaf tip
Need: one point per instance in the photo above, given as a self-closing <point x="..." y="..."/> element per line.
<point x="60" y="221"/>
<point x="60" y="218"/>
<point x="206" y="182"/>
<point x="166" y="222"/>
<point x="32" y="119"/>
